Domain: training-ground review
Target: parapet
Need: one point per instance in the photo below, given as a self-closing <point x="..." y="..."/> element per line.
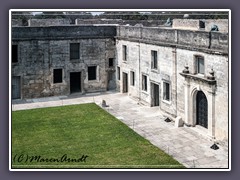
<point x="48" y="22"/>
<point x="200" y="24"/>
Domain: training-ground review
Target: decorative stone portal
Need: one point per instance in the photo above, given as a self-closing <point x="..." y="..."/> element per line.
<point x="75" y="82"/>
<point x="200" y="102"/>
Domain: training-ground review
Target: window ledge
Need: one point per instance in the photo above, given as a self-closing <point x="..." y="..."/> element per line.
<point x="167" y="102"/>
<point x="75" y="60"/>
<point x="154" y="70"/>
<point x="59" y="83"/>
<point x="144" y="92"/>
<point x="93" y="81"/>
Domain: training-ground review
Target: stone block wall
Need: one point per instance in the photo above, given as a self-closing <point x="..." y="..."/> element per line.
<point x="48" y="22"/>
<point x="43" y="49"/>
<point x="194" y="24"/>
<point x="38" y="57"/>
<point x="219" y="63"/>
<point x="201" y="40"/>
<point x="148" y="23"/>
<point x="190" y="24"/>
<point x="17" y="22"/>
<point x="221" y="23"/>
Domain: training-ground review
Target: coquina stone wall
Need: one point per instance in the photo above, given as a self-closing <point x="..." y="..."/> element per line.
<point x="195" y="24"/>
<point x="176" y="49"/>
<point x="43" y="49"/>
<point x="48" y="22"/>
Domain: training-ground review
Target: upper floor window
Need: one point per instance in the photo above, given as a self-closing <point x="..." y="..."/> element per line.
<point x="201" y="24"/>
<point x="144" y="83"/>
<point x="154" y="59"/>
<point x="124" y="52"/>
<point x="74" y="51"/>
<point x="200" y="65"/>
<point x="14" y="53"/>
<point x="110" y="62"/>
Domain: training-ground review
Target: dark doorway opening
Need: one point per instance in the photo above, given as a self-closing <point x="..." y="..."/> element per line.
<point x="202" y="110"/>
<point x="75" y="82"/>
<point x="155" y="94"/>
<point x="125" y="82"/>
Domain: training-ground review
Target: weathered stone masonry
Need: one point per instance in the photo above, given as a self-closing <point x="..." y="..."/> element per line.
<point x="176" y="49"/>
<point x="146" y="63"/>
<point x="43" y="49"/>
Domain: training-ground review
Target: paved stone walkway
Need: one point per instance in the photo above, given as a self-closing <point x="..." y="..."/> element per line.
<point x="184" y="144"/>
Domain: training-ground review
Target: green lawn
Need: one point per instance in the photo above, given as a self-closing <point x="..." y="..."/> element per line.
<point x="80" y="136"/>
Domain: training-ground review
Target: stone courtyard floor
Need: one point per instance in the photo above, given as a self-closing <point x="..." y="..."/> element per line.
<point x="184" y="144"/>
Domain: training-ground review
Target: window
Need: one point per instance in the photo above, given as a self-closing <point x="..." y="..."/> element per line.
<point x="202" y="24"/>
<point x="200" y="65"/>
<point x="124" y="51"/>
<point x="132" y="78"/>
<point x="92" y="74"/>
<point x="110" y="62"/>
<point x="144" y="83"/>
<point x="166" y="91"/>
<point x="14" y="53"/>
<point x="118" y="71"/>
<point x="57" y="76"/>
<point x="154" y="59"/>
<point x="74" y="51"/>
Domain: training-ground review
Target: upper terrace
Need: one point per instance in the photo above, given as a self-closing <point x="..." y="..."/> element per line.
<point x="193" y="39"/>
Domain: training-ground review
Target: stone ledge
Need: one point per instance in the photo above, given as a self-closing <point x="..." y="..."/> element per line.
<point x="196" y="77"/>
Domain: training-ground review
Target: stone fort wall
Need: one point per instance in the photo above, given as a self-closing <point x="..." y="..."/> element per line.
<point x="43" y="49"/>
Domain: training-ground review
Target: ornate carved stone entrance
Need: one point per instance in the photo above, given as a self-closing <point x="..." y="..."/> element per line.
<point x="200" y="101"/>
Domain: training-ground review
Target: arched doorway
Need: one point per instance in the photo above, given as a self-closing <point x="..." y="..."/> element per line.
<point x="202" y="109"/>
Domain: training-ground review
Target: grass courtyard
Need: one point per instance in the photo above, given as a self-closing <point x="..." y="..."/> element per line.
<point x="80" y="136"/>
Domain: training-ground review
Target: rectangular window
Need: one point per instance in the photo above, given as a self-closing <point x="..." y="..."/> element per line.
<point x="92" y="74"/>
<point x="118" y="71"/>
<point x="154" y="59"/>
<point x="132" y="78"/>
<point x="74" y="51"/>
<point x="14" y="53"/>
<point x="124" y="52"/>
<point x="166" y="91"/>
<point x="57" y="76"/>
<point x="200" y="65"/>
<point x="202" y="24"/>
<point x="110" y="62"/>
<point x="144" y="83"/>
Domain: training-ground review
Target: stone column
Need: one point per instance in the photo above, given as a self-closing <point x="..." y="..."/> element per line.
<point x="211" y="114"/>
<point x="188" y="106"/>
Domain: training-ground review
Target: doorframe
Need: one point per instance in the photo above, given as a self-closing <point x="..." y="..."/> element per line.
<point x="152" y="93"/>
<point x="191" y="113"/>
<point x="197" y="109"/>
<point x="81" y="81"/>
<point x="126" y="81"/>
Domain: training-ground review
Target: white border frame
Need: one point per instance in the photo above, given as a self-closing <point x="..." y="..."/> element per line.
<point x="102" y="10"/>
